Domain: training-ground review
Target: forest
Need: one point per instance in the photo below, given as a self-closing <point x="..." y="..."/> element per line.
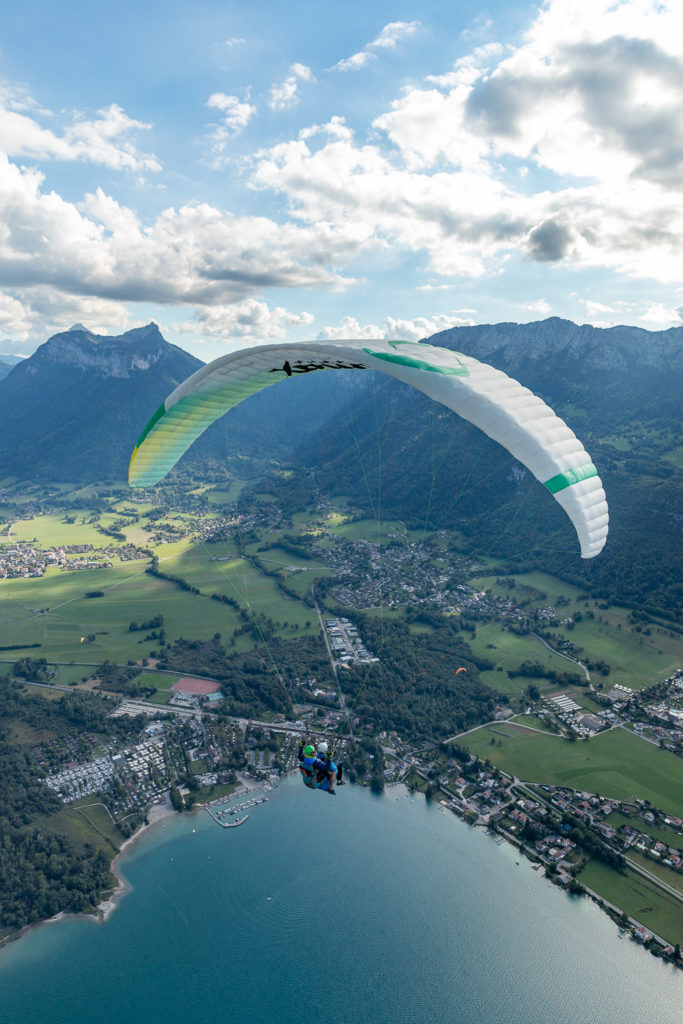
<point x="43" y="871"/>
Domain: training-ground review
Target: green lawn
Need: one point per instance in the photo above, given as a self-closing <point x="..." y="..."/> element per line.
<point x="614" y="764"/>
<point x="64" y="630"/>
<point x="529" y="588"/>
<point x="237" y="578"/>
<point x="41" y="691"/>
<point x="86" y="821"/>
<point x="54" y="530"/>
<point x="640" y="898"/>
<point x="159" y="680"/>
<point x="635" y="659"/>
<point x="668" y="875"/>
<point x="508" y="650"/>
<point x="160" y="697"/>
<point x="373" y="530"/>
<point x="532" y="722"/>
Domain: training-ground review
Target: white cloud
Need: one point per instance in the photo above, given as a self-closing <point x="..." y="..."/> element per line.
<point x="104" y="139"/>
<point x="196" y="254"/>
<point x="660" y="315"/>
<point x="592" y="98"/>
<point x="236" y="116"/>
<point x="596" y="309"/>
<point x="251" y="320"/>
<point x="29" y="315"/>
<point x="459" y="219"/>
<point x="13" y="318"/>
<point x="388" y="39"/>
<point x="540" y="307"/>
<point x="565" y="149"/>
<point x="393" y="328"/>
<point x="393" y="33"/>
<point x="236" y="113"/>
<point x="235" y="41"/>
<point x="287" y="94"/>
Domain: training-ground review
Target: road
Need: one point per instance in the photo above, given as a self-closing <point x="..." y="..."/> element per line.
<point x="333" y="663"/>
<point x="561" y="654"/>
<point x="651" y="877"/>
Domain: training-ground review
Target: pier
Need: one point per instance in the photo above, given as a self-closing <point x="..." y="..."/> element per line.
<point x="221" y="815"/>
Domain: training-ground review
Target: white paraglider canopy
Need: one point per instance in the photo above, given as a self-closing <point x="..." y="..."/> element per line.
<point x="500" y="406"/>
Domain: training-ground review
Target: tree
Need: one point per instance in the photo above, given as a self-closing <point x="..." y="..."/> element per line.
<point x="176" y="799"/>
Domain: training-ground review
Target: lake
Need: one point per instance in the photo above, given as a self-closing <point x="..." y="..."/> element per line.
<point x="344" y="910"/>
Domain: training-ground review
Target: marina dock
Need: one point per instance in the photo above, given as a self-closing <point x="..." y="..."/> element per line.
<point x="224" y="816"/>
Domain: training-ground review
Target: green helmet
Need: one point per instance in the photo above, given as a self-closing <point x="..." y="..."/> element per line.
<point x="309" y="751"/>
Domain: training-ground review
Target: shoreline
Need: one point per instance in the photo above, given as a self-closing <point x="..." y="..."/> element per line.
<point x="104" y="909"/>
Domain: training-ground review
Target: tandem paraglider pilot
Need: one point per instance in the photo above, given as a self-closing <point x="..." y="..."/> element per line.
<point x="317" y="768"/>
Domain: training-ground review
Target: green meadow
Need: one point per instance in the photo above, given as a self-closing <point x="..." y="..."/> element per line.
<point x="54" y="531"/>
<point x="615" y="763"/>
<point x="86" y="821"/>
<point x="635" y="659"/>
<point x="237" y="578"/>
<point x="54" y="612"/>
<point x="508" y="651"/>
<point x="638" y="897"/>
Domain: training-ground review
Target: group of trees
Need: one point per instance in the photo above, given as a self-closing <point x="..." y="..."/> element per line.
<point x="414" y="689"/>
<point x="120" y="679"/>
<point x="43" y="871"/>
<point x="34" y="670"/>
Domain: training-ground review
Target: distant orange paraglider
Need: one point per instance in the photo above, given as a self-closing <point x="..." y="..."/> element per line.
<point x="461" y="669"/>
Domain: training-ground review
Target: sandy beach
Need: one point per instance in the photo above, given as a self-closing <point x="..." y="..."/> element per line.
<point x="156" y="813"/>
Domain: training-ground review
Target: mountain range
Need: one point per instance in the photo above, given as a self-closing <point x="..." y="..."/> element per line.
<point x="7" y="361"/>
<point x="74" y="409"/>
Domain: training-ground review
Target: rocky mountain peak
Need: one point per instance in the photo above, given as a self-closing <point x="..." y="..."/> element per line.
<point x="120" y="356"/>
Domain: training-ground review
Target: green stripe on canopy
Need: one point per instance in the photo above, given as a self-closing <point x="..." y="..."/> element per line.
<point x="572" y="476"/>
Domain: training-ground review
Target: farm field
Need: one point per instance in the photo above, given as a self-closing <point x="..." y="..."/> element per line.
<point x="638" y="897"/>
<point x="614" y="764"/>
<point x="532" y="722"/>
<point x="509" y="651"/>
<point x="54" y="612"/>
<point x="635" y="659"/>
<point x="672" y="878"/>
<point x="240" y="580"/>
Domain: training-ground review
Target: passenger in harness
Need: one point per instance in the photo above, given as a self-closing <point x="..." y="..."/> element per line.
<point x="317" y="768"/>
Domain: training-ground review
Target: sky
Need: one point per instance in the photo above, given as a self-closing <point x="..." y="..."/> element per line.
<point x="243" y="174"/>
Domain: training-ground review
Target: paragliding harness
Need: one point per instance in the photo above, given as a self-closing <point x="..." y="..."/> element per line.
<point x="315" y="773"/>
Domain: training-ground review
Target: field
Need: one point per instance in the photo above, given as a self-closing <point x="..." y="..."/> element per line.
<point x="635" y="659"/>
<point x="672" y="878"/>
<point x="86" y="821"/>
<point x="54" y="612"/>
<point x="639" y="897"/>
<point x="508" y="651"/>
<point x="77" y="633"/>
<point x="614" y="764"/>
<point x="239" y="579"/>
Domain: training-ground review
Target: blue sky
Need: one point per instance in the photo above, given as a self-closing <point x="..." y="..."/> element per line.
<point x="242" y="174"/>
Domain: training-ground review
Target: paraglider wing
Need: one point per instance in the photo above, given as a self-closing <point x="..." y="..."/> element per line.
<point x="462" y="669"/>
<point x="500" y="406"/>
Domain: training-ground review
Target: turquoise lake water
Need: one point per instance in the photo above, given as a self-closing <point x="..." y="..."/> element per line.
<point x="382" y="909"/>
